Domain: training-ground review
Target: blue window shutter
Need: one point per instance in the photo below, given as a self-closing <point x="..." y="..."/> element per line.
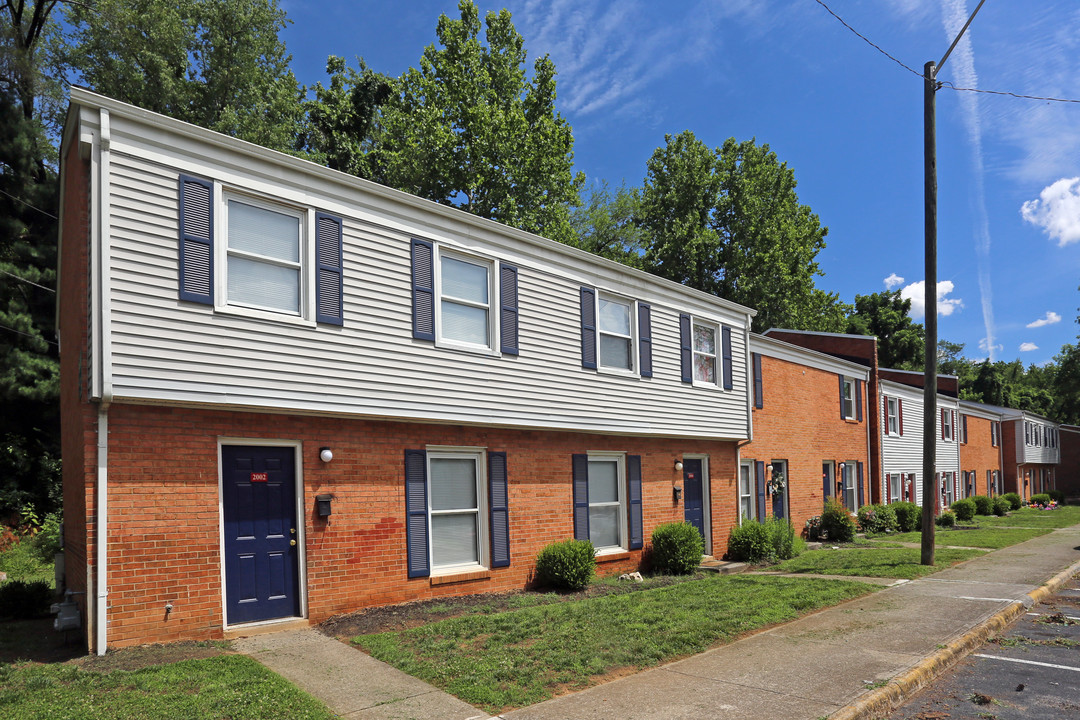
<point x="633" y="476"/>
<point x="858" y="400"/>
<point x="725" y="335"/>
<point x="900" y="415"/>
<point x="581" y="497"/>
<point x="859" y="480"/>
<point x="759" y="483"/>
<point x="759" y="393"/>
<point x="416" y="513"/>
<point x="196" y="240"/>
<point x="963" y="419"/>
<point x="588" y="328"/>
<point x="645" y="338"/>
<point x="686" y="352"/>
<point x="842" y="415"/>
<point x="329" y="275"/>
<point x="508" y="309"/>
<point x="423" y="290"/>
<point x="499" y="501"/>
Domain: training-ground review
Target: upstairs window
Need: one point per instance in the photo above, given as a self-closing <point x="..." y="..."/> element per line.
<point x="465" y="301"/>
<point x="893" y="416"/>
<point x="947" y="429"/>
<point x="616" y="333"/>
<point x="849" y="399"/>
<point x="705" y="353"/>
<point x="263" y="266"/>
<point x="994" y="434"/>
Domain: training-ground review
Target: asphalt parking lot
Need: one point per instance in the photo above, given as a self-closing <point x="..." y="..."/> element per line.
<point x="1032" y="671"/>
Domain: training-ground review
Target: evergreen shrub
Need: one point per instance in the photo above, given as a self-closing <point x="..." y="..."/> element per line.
<point x="1013" y="499"/>
<point x="567" y="565"/>
<point x="908" y="516"/>
<point x="836" y="522"/>
<point x="964" y="509"/>
<point x="983" y="505"/>
<point x="677" y="548"/>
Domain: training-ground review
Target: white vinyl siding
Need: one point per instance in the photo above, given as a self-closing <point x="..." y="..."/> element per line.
<point x="903" y="454"/>
<point x="165" y="351"/>
<point x="1027" y="451"/>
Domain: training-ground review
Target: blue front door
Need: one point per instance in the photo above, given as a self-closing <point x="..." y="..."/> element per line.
<point x="259" y="488"/>
<point x="693" y="495"/>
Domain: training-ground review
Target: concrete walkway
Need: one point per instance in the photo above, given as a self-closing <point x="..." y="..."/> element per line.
<point x="850" y="661"/>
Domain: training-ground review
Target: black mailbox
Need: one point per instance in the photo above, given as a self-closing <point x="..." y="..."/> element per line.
<point x="322" y="505"/>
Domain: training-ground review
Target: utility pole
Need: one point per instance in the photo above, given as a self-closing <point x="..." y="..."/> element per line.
<point x="931" y="493"/>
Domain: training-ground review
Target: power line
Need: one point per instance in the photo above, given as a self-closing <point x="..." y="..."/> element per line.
<point x="28" y="282"/>
<point x="47" y="214"/>
<point x="941" y="83"/>
<point x="36" y="337"/>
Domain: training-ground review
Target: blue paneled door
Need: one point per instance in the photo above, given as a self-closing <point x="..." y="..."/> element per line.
<point x="261" y="541"/>
<point x="693" y="495"/>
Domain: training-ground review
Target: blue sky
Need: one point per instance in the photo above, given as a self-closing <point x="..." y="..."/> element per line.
<point x="845" y="117"/>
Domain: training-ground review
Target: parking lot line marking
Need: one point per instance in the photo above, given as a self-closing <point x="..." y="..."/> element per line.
<point x="1028" y="662"/>
<point x="968" y="597"/>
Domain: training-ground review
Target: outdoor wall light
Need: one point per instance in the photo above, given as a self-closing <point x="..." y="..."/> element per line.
<point x="326" y="454"/>
<point x="678" y="464"/>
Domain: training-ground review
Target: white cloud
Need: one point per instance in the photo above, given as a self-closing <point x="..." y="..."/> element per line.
<point x="916" y="291"/>
<point x="893" y="281"/>
<point x="1051" y="318"/>
<point x="1028" y="347"/>
<point x="1057" y="211"/>
<point x="988" y="348"/>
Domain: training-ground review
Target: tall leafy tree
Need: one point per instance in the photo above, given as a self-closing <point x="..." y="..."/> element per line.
<point x="728" y="222"/>
<point x="470" y="129"/>
<point x="887" y="316"/>
<point x="605" y="224"/>
<point x="215" y="63"/>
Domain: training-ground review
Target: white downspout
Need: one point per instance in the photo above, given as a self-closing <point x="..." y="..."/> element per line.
<point x="105" y="367"/>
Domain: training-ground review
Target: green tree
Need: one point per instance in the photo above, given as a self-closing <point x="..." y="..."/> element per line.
<point x="215" y="63"/>
<point x="471" y="130"/>
<point x="728" y="222"/>
<point x="1066" y="390"/>
<point x="887" y="316"/>
<point x="605" y="224"/>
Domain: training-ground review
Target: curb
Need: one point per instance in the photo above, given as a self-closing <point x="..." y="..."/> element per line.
<point x="880" y="702"/>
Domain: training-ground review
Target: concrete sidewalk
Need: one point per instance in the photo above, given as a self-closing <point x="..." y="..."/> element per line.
<point x="851" y="660"/>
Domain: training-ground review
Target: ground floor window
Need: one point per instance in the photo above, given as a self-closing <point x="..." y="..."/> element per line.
<point x="747" y="508"/>
<point x="850" y="491"/>
<point x="828" y="479"/>
<point x="948" y="489"/>
<point x="455" y="499"/>
<point x="895" y="487"/>
<point x="606" y="510"/>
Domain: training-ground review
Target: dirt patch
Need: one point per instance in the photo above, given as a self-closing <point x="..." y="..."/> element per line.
<point x="136" y="658"/>
<point x="412" y="614"/>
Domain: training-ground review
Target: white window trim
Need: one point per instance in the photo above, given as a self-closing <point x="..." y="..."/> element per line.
<point x="635" y="361"/>
<point x="305" y="316"/>
<point x="492" y="348"/>
<point x="749" y="465"/>
<point x="947" y="422"/>
<point x="620" y="483"/>
<point x="898" y="478"/>
<point x="849" y="397"/>
<point x="850" y="466"/>
<point x="483" y="537"/>
<point x="893" y="408"/>
<point x="718" y="371"/>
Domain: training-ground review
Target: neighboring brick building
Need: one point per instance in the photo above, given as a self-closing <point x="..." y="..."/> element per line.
<point x="1068" y="476"/>
<point x="289" y="393"/>
<point x="981" y="451"/>
<point x="1030" y="452"/>
<point x="810" y="422"/>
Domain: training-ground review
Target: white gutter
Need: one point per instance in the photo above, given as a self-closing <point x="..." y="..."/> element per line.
<point x="104" y="366"/>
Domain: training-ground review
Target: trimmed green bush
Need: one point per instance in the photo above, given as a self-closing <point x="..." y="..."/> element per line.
<point x="1002" y="507"/>
<point x="877" y="519"/>
<point x="568" y="565"/>
<point x="1013" y="499"/>
<point x="983" y="505"/>
<point x="946" y="519"/>
<point x="908" y="516"/>
<point x="836" y="522"/>
<point x="782" y="540"/>
<point x="1057" y="496"/>
<point x="964" y="509"/>
<point x="24" y="600"/>
<point x="677" y="548"/>
<point x="749" y="542"/>
<point x="1040" y="499"/>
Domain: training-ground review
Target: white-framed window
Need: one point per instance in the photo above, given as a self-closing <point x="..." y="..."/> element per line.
<point x="895" y="487"/>
<point x="615" y="332"/>
<point x="747" y="504"/>
<point x="851" y="497"/>
<point x="893" y="413"/>
<point x="465" y="286"/>
<point x="828" y="478"/>
<point x="457" y="506"/>
<point x="948" y="487"/>
<point x="947" y="425"/>
<point x="849" y="398"/>
<point x="995" y="433"/>
<point x="706" y="361"/>
<point x="607" y="501"/>
<point x="264" y="255"/>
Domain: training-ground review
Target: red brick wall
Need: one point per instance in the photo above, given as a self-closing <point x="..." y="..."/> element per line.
<point x="1068" y="473"/>
<point x="163" y="496"/>
<point x="978" y="454"/>
<point x="800" y="422"/>
<point x="1012" y="481"/>
<point x="77" y="416"/>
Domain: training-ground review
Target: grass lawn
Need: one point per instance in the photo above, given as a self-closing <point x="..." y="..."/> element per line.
<point x="886" y="562"/>
<point x="517" y="658"/>
<point x="985" y="537"/>
<point x="228" y="686"/>
<point x="1026" y="517"/>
